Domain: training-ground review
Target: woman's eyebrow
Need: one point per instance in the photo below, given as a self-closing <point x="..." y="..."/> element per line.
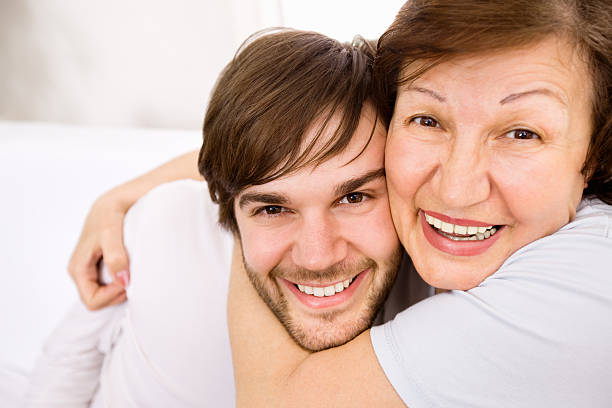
<point x="428" y="92"/>
<point x="355" y="183"/>
<point x="538" y="91"/>
<point x="262" y="198"/>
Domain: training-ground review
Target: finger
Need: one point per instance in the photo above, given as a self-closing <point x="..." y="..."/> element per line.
<point x="119" y="299"/>
<point x="105" y="296"/>
<point x="115" y="256"/>
<point x="84" y="260"/>
<point x="95" y="296"/>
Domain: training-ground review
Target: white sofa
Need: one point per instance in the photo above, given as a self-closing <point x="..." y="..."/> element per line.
<point x="50" y="175"/>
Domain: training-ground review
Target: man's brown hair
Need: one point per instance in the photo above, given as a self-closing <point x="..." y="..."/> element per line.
<point x="432" y="31"/>
<point x="276" y="87"/>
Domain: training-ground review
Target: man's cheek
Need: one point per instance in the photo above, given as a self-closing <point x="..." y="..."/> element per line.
<point x="262" y="251"/>
<point x="379" y="230"/>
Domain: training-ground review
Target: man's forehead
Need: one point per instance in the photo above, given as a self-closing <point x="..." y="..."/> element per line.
<point x="323" y="132"/>
<point x="360" y="161"/>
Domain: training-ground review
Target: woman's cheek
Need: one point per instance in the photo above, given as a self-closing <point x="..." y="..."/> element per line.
<point x="530" y="188"/>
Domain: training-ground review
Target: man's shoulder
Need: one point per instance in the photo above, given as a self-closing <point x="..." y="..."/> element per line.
<point x="185" y="194"/>
<point x="171" y="205"/>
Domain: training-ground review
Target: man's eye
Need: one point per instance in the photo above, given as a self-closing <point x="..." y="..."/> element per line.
<point x="522" y="134"/>
<point x="352" y="198"/>
<point x="426" y="121"/>
<point x="272" y="209"/>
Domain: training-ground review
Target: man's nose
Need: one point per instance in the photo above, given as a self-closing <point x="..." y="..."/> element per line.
<point x="462" y="178"/>
<point x="318" y="243"/>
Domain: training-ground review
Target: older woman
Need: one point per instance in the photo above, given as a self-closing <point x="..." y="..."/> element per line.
<point x="499" y="123"/>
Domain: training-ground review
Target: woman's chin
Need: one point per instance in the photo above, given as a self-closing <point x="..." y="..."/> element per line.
<point x="444" y="270"/>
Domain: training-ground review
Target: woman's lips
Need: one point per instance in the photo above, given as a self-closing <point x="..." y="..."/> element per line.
<point x="460" y="221"/>
<point x="320" y="302"/>
<point x="456" y="247"/>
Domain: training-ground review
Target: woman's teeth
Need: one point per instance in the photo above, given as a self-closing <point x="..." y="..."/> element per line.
<point x="461" y="232"/>
<point x="326" y="290"/>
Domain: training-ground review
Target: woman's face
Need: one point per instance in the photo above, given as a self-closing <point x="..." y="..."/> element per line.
<point x="484" y="155"/>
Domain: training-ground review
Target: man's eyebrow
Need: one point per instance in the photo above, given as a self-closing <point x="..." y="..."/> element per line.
<point x="426" y="91"/>
<point x="261" y="198"/>
<point x="355" y="183"/>
<point x="539" y="91"/>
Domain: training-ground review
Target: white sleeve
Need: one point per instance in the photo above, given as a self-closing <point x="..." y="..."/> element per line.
<point x="537" y="333"/>
<point x="67" y="372"/>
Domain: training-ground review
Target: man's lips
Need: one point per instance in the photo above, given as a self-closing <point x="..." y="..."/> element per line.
<point x="318" y="301"/>
<point x="467" y="240"/>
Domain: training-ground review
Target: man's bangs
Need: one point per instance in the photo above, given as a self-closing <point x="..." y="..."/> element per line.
<point x="322" y="146"/>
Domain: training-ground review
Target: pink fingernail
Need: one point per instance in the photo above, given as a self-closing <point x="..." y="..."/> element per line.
<point x="123" y="277"/>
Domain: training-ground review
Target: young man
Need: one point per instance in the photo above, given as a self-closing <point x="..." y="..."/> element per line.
<point x="293" y="155"/>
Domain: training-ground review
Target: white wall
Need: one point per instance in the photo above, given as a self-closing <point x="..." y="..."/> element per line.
<point x="118" y="62"/>
<point x="145" y="63"/>
<point x="341" y="19"/>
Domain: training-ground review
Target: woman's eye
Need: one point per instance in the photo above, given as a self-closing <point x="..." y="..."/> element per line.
<point x="522" y="134"/>
<point x="426" y="121"/>
<point x="352" y="198"/>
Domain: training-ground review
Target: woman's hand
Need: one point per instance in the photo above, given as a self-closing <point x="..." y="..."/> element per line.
<point x="102" y="237"/>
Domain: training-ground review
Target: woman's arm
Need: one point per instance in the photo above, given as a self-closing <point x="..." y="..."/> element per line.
<point x="102" y="235"/>
<point x="67" y="371"/>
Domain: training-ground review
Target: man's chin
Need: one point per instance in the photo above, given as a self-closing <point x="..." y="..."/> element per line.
<point x="320" y="325"/>
<point x="325" y="331"/>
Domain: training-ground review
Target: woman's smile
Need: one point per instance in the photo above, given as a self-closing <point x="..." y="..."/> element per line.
<point x="462" y="238"/>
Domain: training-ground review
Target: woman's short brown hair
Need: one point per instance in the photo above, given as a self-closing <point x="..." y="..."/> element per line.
<point x="436" y="30"/>
<point x="276" y="87"/>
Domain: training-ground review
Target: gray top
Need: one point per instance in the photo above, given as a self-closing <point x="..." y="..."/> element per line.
<point x="537" y="333"/>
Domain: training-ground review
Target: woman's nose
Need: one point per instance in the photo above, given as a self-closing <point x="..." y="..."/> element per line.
<point x="463" y="178"/>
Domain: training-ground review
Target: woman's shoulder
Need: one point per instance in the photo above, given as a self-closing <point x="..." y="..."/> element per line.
<point x="593" y="217"/>
<point x="582" y="247"/>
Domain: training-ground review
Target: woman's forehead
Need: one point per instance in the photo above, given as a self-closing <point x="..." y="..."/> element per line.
<point x="551" y="64"/>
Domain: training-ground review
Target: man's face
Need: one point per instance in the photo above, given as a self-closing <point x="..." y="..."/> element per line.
<point x="319" y="245"/>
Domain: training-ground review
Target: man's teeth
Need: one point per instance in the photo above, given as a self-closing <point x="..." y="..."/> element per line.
<point x="326" y="290"/>
<point x="461" y="232"/>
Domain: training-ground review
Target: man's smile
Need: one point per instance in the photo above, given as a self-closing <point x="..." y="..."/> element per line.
<point x="326" y="295"/>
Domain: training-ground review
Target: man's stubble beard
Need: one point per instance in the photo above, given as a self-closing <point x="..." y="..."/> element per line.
<point x="322" y="337"/>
